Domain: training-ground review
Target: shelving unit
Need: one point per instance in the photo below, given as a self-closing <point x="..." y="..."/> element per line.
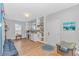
<point x="36" y="28"/>
<point x="40" y="27"/>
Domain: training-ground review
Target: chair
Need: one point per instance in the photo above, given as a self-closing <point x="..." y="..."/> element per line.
<point x="66" y="48"/>
<point x="18" y="37"/>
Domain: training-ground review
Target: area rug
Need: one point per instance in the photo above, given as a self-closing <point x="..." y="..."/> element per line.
<point x="47" y="47"/>
<point x="9" y="48"/>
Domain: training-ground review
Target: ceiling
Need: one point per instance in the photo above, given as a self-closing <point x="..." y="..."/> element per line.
<point x="16" y="11"/>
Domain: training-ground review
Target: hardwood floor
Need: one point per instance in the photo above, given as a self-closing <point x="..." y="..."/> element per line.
<point x="27" y="47"/>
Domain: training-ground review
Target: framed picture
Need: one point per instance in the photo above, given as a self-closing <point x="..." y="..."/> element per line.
<point x="69" y="26"/>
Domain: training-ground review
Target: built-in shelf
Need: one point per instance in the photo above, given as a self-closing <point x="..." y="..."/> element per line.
<point x="36" y="26"/>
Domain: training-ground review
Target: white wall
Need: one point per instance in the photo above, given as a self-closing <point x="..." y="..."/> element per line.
<point x="54" y="24"/>
<point x="11" y="30"/>
<point x="52" y="31"/>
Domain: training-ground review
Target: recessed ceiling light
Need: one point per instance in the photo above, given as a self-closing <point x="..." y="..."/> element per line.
<point x="27" y="15"/>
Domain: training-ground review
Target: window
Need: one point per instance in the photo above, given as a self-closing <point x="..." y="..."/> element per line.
<point x="17" y="29"/>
